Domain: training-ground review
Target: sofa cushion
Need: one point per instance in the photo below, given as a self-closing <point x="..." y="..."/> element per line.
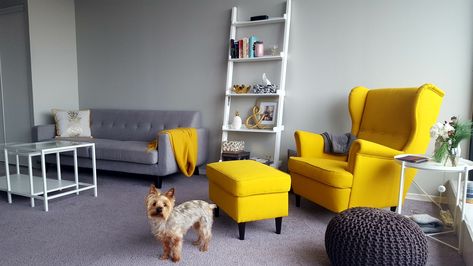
<point x="329" y="172"/>
<point x="126" y="151"/>
<point x="139" y="125"/>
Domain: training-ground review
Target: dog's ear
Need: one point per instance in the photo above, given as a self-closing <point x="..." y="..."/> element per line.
<point x="170" y="193"/>
<point x="153" y="190"/>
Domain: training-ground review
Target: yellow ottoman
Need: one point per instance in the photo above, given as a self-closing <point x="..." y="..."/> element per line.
<point x="248" y="191"/>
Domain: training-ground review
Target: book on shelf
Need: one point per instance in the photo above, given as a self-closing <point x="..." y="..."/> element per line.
<point x="240" y="50"/>
<point x="251" y="46"/>
<point x="243" y="48"/>
<point x="414" y="159"/>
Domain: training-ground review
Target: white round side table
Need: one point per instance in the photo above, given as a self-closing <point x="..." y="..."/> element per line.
<point x="462" y="169"/>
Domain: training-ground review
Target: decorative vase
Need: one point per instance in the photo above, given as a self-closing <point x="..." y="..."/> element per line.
<point x="454" y="155"/>
<point x="236" y="123"/>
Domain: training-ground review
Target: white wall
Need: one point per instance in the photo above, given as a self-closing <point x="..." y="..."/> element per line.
<point x="54" y="79"/>
<point x="172" y="55"/>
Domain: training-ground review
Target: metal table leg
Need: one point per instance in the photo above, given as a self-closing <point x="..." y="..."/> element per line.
<point x="7" y="173"/>
<point x="45" y="186"/>
<point x="401" y="188"/>
<point x="30" y="173"/>
<point x="94" y="170"/>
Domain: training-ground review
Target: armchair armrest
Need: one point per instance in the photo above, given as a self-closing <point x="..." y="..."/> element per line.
<point x="375" y="175"/>
<point x="43" y="132"/>
<point x="361" y="147"/>
<point x="310" y="144"/>
<point x="166" y="161"/>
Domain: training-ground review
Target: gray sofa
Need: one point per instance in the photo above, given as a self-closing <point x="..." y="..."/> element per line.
<point x="121" y="138"/>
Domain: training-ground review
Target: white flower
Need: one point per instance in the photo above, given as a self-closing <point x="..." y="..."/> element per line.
<point x="440" y="130"/>
<point x="435" y="130"/>
<point x="446" y="128"/>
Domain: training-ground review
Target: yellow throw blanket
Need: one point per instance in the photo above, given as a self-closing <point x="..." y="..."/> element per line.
<point x="184" y="144"/>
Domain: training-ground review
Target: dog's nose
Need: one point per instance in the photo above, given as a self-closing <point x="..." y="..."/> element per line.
<point x="159" y="209"/>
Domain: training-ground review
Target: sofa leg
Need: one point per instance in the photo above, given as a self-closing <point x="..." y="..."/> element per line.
<point x="298" y="200"/>
<point x="278" y="225"/>
<point x="158" y="181"/>
<point x="393" y="208"/>
<point x="241" y="230"/>
<point x="216" y="212"/>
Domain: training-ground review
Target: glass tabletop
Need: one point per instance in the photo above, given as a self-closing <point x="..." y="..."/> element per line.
<point x="41" y="146"/>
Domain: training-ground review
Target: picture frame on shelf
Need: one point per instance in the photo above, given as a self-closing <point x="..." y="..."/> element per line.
<point x="268" y="110"/>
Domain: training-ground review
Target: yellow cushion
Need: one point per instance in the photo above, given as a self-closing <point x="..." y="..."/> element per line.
<point x="247" y="177"/>
<point x="330" y="172"/>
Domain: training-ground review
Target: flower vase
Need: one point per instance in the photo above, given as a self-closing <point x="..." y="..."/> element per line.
<point x="453" y="156"/>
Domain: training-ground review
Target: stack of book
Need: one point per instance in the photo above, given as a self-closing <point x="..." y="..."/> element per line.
<point x="244" y="48"/>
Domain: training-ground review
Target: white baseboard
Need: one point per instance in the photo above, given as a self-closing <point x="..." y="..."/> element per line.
<point x="423" y="197"/>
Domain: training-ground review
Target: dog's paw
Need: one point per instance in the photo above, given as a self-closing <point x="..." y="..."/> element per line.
<point x="175" y="259"/>
<point x="196" y="243"/>
<point x="163" y="257"/>
<point x="203" y="248"/>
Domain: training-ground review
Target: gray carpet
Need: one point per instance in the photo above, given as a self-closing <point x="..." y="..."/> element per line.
<point x="113" y="230"/>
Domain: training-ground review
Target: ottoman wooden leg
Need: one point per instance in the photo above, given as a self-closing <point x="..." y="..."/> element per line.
<point x="278" y="225"/>
<point x="298" y="200"/>
<point x="241" y="230"/>
<point x="393" y="208"/>
<point x="217" y="212"/>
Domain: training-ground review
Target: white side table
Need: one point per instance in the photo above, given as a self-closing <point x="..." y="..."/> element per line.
<point x="462" y="169"/>
<point x="40" y="187"/>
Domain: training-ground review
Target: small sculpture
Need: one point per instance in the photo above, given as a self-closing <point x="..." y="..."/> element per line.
<point x="257" y="117"/>
<point x="241" y="88"/>
<point x="236" y="123"/>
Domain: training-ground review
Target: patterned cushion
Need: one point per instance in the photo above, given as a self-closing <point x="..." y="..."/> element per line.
<point x="72" y="123"/>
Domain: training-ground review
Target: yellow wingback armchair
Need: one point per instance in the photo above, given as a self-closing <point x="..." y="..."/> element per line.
<point x="386" y="122"/>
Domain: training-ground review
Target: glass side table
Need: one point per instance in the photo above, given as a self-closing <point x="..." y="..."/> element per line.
<point x="39" y="187"/>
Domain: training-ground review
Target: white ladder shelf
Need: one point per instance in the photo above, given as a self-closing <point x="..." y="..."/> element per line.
<point x="281" y="92"/>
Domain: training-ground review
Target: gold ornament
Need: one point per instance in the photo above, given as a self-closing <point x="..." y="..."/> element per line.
<point x="257" y="117"/>
<point x="239" y="89"/>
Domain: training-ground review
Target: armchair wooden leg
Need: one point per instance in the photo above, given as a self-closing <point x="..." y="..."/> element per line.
<point x="196" y="170"/>
<point x="278" y="225"/>
<point x="158" y="181"/>
<point x="393" y="208"/>
<point x="216" y="212"/>
<point x="298" y="200"/>
<point x="241" y="230"/>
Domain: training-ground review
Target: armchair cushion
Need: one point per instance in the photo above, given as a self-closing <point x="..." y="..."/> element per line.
<point x="330" y="172"/>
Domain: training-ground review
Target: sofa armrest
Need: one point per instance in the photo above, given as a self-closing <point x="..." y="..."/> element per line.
<point x="167" y="163"/>
<point x="43" y="132"/>
<point x="202" y="144"/>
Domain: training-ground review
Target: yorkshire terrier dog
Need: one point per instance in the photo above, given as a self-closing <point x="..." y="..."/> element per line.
<point x="169" y="224"/>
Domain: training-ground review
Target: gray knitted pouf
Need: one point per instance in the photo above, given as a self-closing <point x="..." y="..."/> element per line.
<point x="368" y="236"/>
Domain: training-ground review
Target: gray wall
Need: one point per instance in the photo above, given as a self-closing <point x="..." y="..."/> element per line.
<point x="172" y="55"/>
<point x="15" y="75"/>
<point x="52" y="32"/>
